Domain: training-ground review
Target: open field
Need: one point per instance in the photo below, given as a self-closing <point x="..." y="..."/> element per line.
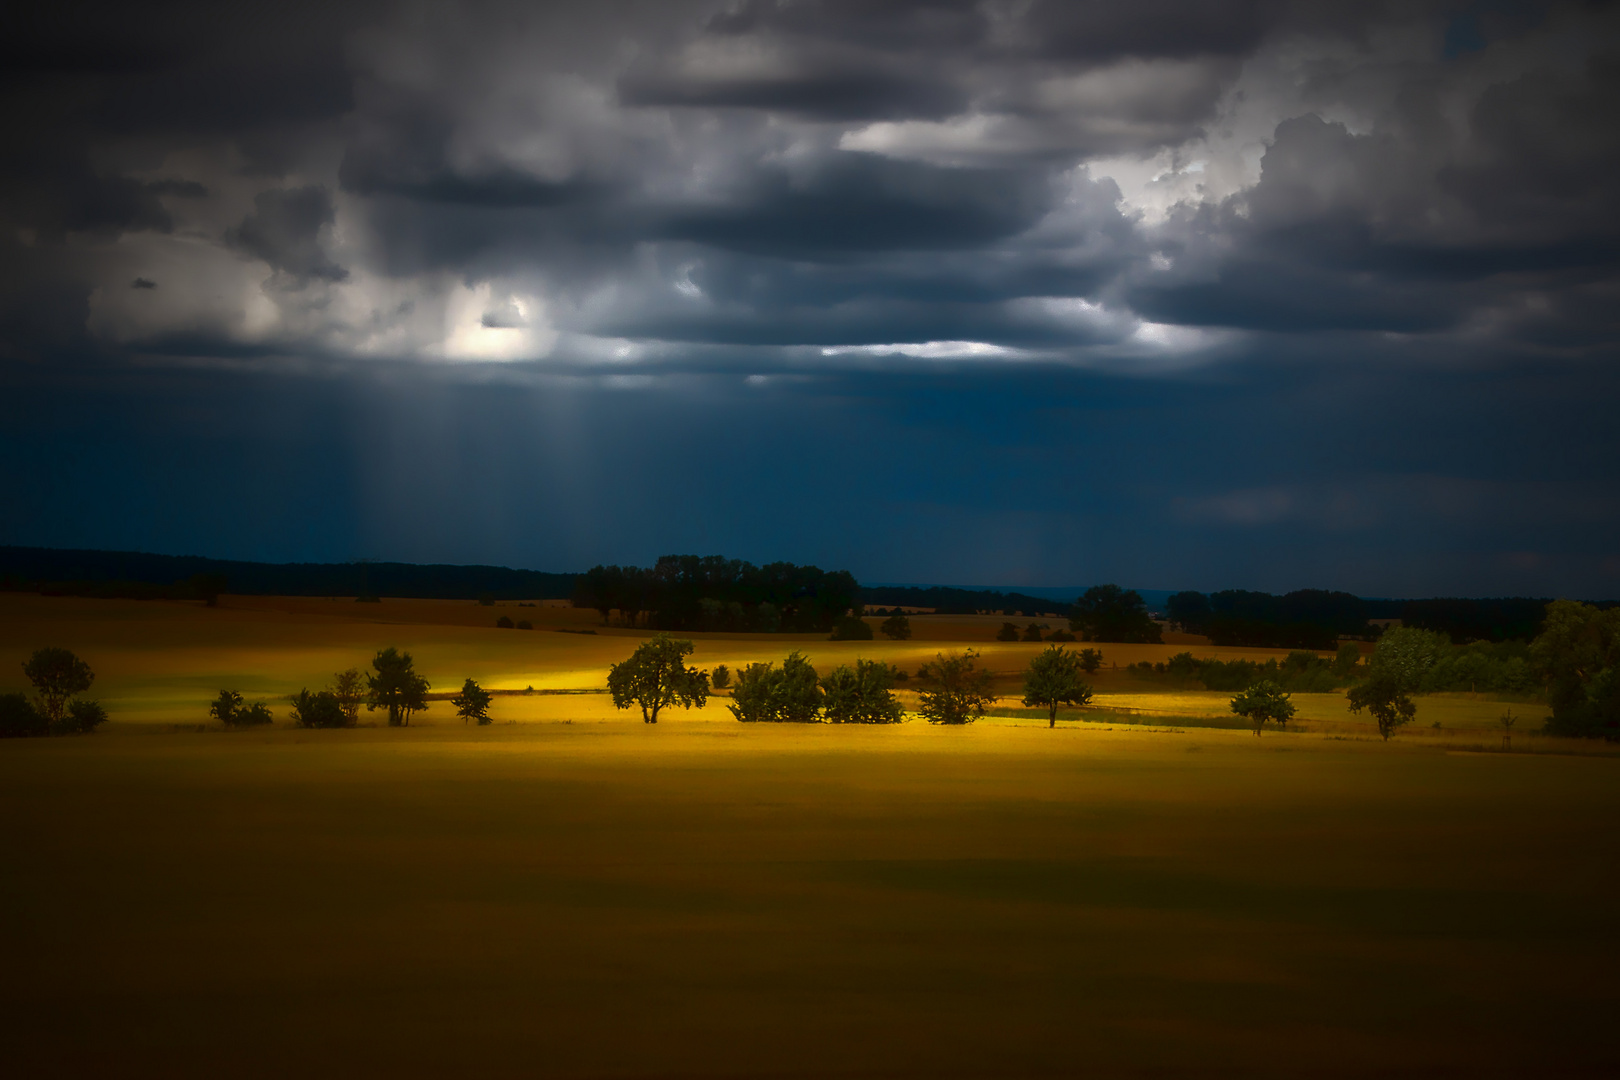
<point x="573" y="893"/>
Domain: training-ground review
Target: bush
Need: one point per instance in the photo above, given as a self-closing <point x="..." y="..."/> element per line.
<point x="19" y="719"/>
<point x="767" y="694"/>
<point x="1008" y="632"/>
<point x="257" y="714"/>
<point x="504" y="622"/>
<point x="319" y="710"/>
<point x="861" y="695"/>
<point x="851" y="628"/>
<point x="82" y="718"/>
<point x="896" y="627"/>
<point x="721" y="677"/>
<point x="958" y="689"/>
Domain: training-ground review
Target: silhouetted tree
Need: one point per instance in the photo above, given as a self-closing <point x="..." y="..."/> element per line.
<point x="1060" y="635"/>
<point x="1008" y="632"/>
<point x="861" y="694"/>
<point x="472" y="703"/>
<point x="851" y="628"/>
<point x="768" y="694"/>
<point x="1109" y="613"/>
<point x="349" y="687"/>
<point x="57" y="675"/>
<point x="956" y="689"/>
<point x="1263" y="701"/>
<point x="896" y="627"/>
<point x="1189" y="611"/>
<point x="504" y="622"/>
<point x="229" y="710"/>
<point x="656" y="676"/>
<point x="396" y="687"/>
<point x="721" y="677"/>
<point x="1090" y="660"/>
<point x="318" y="710"/>
<point x="1053" y="679"/>
<point x="1032" y="632"/>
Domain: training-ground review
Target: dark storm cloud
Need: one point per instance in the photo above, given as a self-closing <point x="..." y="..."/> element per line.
<point x="284" y="231"/>
<point x="793" y="223"/>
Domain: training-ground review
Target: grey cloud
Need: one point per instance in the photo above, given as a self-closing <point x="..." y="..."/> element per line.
<point x="284" y="230"/>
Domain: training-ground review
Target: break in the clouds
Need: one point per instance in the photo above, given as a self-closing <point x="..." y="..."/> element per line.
<point x="635" y="197"/>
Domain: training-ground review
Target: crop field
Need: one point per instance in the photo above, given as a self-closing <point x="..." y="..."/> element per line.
<point x="570" y="892"/>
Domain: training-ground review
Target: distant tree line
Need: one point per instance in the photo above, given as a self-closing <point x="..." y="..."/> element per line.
<point x="1304" y="619"/>
<point x="947" y="601"/>
<point x="144" y="576"/>
<point x="689" y="592"/>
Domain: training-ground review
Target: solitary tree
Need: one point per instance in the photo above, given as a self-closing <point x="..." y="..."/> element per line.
<point x="1053" y="679"/>
<point x="396" y="687"/>
<point x="472" y="703"/>
<point x="957" y="689"/>
<point x="1008" y="632"/>
<point x="790" y="694"/>
<point x="656" y="676"/>
<point x="851" y="628"/>
<point x="896" y="627"/>
<point x="1263" y="701"/>
<point x="224" y="707"/>
<point x="861" y="694"/>
<point x="1388" y="702"/>
<point x="1090" y="660"/>
<point x="1032" y="632"/>
<point x="57" y="675"/>
<point x="721" y="677"/>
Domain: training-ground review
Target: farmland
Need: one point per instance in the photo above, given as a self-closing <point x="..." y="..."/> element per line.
<point x="571" y="892"/>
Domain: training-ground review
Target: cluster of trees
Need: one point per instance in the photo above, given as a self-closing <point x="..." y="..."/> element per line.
<point x="688" y="592"/>
<point x="394" y="686"/>
<point x="1110" y="613"/>
<point x="58" y="677"/>
<point x="948" y="601"/>
<point x="1304" y="619"/>
<point x="1300" y="671"/>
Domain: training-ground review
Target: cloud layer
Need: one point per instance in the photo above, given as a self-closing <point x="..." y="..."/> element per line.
<point x="783" y="196"/>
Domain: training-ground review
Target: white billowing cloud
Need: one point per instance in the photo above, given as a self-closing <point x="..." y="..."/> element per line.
<point x="928" y="350"/>
<point x="483" y="324"/>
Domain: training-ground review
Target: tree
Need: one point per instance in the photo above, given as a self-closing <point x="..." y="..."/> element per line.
<point x="396" y="687"/>
<point x="1109" y="613"/>
<point x="349" y="688"/>
<point x="504" y="622"/>
<point x="861" y="694"/>
<point x="1263" y="701"/>
<point x="57" y="675"/>
<point x="1404" y="654"/>
<point x="790" y="694"/>
<point x="721" y="677"/>
<point x="656" y="676"/>
<point x="1053" y="679"/>
<point x="1578" y="654"/>
<point x="1008" y="632"/>
<point x="957" y="689"/>
<point x="1189" y="611"/>
<point x="224" y="707"/>
<point x="83" y="717"/>
<point x="851" y="628"/>
<point x="1032" y="632"/>
<point x="1386" y="700"/>
<point x="472" y="703"/>
<point x="19" y="719"/>
<point x="318" y="710"/>
<point x="1346" y="659"/>
<point x="896" y="627"/>
<point x="1090" y="660"/>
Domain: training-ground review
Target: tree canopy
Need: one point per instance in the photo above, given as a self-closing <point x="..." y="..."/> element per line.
<point x="472" y="703"/>
<point x="656" y="677"/>
<point x="1110" y="613"/>
<point x="1263" y="701"/>
<point x="768" y="694"/>
<point x="956" y="690"/>
<point x="1053" y="678"/>
<point x="57" y="674"/>
<point x="1578" y="654"/>
<point x="861" y="694"/>
<point x="396" y="687"/>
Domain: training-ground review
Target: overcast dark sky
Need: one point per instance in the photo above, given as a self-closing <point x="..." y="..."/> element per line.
<point x="1181" y="295"/>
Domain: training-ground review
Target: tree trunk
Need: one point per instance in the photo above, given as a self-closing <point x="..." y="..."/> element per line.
<point x="1051" y="719"/>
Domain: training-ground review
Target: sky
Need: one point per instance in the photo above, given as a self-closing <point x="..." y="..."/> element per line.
<point x="1258" y="295"/>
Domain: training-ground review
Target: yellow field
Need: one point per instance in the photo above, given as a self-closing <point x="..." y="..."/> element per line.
<point x="574" y="893"/>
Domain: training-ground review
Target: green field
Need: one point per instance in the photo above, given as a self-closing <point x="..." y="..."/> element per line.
<point x="573" y="893"/>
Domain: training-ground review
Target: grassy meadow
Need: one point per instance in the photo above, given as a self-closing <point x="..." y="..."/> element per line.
<point x="570" y="892"/>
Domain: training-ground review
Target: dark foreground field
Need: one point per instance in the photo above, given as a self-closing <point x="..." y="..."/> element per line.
<point x="705" y="899"/>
